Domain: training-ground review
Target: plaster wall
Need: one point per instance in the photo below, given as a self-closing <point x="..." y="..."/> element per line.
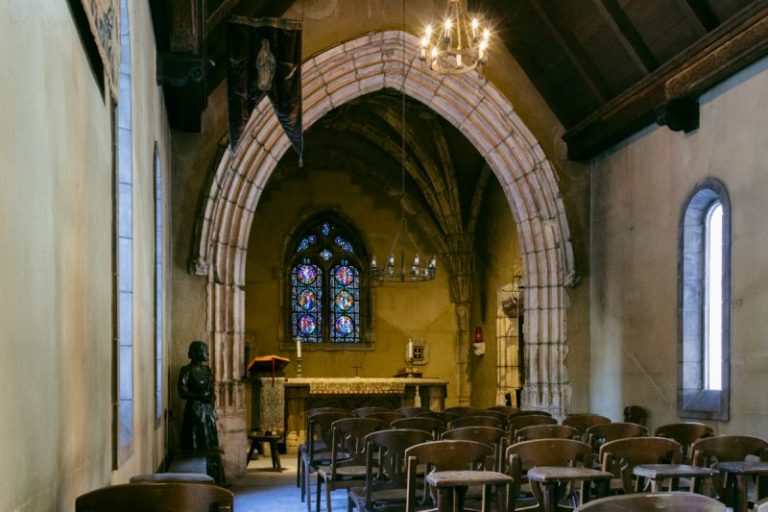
<point x="399" y="310"/>
<point x="56" y="205"/>
<point x="639" y="192"/>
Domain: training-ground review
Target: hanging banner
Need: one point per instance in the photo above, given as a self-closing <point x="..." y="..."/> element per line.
<point x="104" y="20"/>
<point x="265" y="58"/>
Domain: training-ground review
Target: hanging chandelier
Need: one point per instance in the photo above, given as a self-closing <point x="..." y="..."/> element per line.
<point x="458" y="44"/>
<point x="404" y="270"/>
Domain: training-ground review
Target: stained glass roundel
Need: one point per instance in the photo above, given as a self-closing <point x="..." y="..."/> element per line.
<point x="344" y="325"/>
<point x="307" y="300"/>
<point x="307" y="324"/>
<point x="344" y="275"/>
<point x="307" y="274"/>
<point x="344" y="300"/>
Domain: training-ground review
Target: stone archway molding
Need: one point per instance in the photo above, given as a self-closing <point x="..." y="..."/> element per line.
<point x="483" y="115"/>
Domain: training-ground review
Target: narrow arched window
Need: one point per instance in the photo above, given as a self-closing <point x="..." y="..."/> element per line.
<point x="704" y="298"/>
<point x="326" y="264"/>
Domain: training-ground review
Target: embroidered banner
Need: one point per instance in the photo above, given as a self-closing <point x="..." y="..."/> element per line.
<point x="104" y="20"/>
<point x="265" y="58"/>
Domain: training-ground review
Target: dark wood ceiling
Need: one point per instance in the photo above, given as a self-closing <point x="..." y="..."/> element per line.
<point x="607" y="68"/>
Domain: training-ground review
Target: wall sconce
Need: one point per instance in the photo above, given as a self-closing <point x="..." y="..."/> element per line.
<point x="479" y="344"/>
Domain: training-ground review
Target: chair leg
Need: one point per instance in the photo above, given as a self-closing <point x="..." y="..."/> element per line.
<point x="318" y="489"/>
<point x="298" y="467"/>
<point x="328" y="489"/>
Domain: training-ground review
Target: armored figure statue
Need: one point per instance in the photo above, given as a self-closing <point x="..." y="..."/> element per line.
<point x="196" y="386"/>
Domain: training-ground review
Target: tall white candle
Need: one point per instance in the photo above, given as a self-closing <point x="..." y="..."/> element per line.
<point x="410" y="349"/>
<point x="298" y="347"/>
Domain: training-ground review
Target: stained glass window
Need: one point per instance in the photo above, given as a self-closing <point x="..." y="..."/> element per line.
<point x="326" y="281"/>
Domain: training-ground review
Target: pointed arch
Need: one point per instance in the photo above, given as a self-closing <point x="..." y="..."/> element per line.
<point x="483" y="115"/>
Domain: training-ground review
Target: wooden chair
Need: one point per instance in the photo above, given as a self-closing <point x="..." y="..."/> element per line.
<point x="686" y="434"/>
<point x="450" y="455"/>
<point x="708" y="451"/>
<point x="495" y="414"/>
<point x="157" y="497"/>
<point x="533" y="413"/>
<point x="411" y="411"/>
<point x="362" y="412"/>
<point x="386" y="416"/>
<point x="319" y="445"/>
<point x="546" y="432"/>
<point x="582" y="422"/>
<point x="518" y="422"/>
<point x="647" y="502"/>
<point x="597" y="435"/>
<point x="385" y="481"/>
<point x="520" y="457"/>
<point x="348" y="457"/>
<point x="622" y="455"/>
<point x="507" y="410"/>
<point x="445" y="417"/>
<point x="478" y="421"/>
<point x="431" y="425"/>
<point x="636" y="414"/>
<point x="462" y="410"/>
<point x="301" y="452"/>
<point x="492" y="436"/>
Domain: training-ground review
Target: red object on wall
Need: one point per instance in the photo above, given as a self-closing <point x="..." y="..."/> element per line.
<point x="478" y="334"/>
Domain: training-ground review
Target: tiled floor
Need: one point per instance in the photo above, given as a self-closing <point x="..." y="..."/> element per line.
<point x="263" y="489"/>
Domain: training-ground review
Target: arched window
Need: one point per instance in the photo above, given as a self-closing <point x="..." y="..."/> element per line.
<point x="704" y="300"/>
<point x="327" y="276"/>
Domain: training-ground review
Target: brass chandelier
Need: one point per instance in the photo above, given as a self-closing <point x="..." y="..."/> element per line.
<point x="458" y="44"/>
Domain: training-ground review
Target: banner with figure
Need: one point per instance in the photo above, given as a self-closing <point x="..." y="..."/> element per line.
<point x="265" y="58"/>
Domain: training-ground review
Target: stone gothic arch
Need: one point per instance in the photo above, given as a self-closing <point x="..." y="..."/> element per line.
<point x="483" y="115"/>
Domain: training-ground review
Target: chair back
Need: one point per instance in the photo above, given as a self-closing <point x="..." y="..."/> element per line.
<point x="636" y="414"/>
<point x="320" y="433"/>
<point x="462" y="410"/>
<point x="507" y="410"/>
<point x="582" y="422"/>
<point x="533" y="413"/>
<point x="390" y="470"/>
<point x="492" y="436"/>
<point x="348" y="441"/>
<point x="445" y="455"/>
<point x="432" y="425"/>
<point x="517" y="422"/>
<point x="445" y="417"/>
<point x="477" y="421"/>
<point x="546" y="432"/>
<point x="597" y="435"/>
<point x="386" y="416"/>
<point x="157" y="497"/>
<point x="686" y="434"/>
<point x="361" y="412"/>
<point x="622" y="455"/>
<point x="661" y="501"/>
<point x="411" y="411"/>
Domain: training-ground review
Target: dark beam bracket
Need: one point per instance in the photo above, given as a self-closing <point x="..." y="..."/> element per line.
<point x="669" y="94"/>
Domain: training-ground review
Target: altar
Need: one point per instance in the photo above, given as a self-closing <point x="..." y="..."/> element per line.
<point x="300" y="394"/>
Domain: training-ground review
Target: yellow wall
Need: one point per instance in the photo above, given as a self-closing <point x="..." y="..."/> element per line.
<point x="55" y="219"/>
<point x="400" y="310"/>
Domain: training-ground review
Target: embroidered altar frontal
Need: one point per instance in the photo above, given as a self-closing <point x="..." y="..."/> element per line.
<point x="355" y="386"/>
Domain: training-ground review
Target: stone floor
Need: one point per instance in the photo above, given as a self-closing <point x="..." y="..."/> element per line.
<point x="264" y="489"/>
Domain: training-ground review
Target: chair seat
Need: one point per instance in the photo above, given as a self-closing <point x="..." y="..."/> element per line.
<point x="344" y="472"/>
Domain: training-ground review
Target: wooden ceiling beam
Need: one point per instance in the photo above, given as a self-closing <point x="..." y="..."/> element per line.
<point x="703" y="13"/>
<point x="732" y="46"/>
<point x="562" y="34"/>
<point x="628" y="35"/>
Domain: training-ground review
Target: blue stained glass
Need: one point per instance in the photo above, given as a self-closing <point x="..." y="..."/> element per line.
<point x="344" y="300"/>
<point x="343" y="244"/>
<point x="307" y="325"/>
<point x="307" y="300"/>
<point x="344" y="275"/>
<point x="306" y="243"/>
<point x="325" y="228"/>
<point x="326" y="254"/>
<point x="345" y="325"/>
<point x="307" y="274"/>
